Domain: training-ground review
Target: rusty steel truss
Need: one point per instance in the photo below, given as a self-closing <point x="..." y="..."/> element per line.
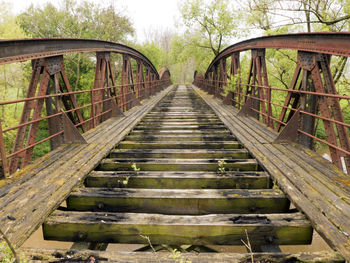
<point x="50" y="97"/>
<point x="311" y="96"/>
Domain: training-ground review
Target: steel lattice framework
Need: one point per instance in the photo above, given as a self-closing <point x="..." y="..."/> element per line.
<point x="311" y="96"/>
<point x="49" y="90"/>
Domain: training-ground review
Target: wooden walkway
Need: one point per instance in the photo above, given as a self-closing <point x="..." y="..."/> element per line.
<point x="186" y="172"/>
<point x="40" y="188"/>
<point x="313" y="185"/>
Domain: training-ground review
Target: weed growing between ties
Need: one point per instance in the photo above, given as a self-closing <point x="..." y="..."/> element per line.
<point x="124" y="182"/>
<point x="177" y="257"/>
<point x="175" y="254"/>
<point x="221" y="167"/>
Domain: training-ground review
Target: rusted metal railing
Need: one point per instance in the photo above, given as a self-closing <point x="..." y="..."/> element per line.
<point x="51" y="102"/>
<point x="311" y="98"/>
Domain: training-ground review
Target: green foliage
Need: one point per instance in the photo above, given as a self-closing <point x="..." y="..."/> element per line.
<point x="43" y="132"/>
<point x="13" y="77"/>
<point x="8" y="27"/>
<point x="155" y="54"/>
<point x="221" y="167"/>
<point x="6" y="255"/>
<point x="135" y="168"/>
<point x="70" y="19"/>
<point x="124" y="182"/>
<point x="213" y="22"/>
<point x="84" y="20"/>
<point x="177" y="257"/>
<point x="298" y="15"/>
<point x="210" y="26"/>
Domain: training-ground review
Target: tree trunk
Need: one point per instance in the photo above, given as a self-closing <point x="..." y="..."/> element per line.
<point x="307" y="6"/>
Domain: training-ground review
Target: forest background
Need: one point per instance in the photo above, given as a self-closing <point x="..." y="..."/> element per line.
<point x="205" y="28"/>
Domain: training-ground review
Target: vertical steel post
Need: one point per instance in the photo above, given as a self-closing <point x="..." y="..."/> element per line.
<point x="5" y="169"/>
<point x="37" y="66"/>
<point x="235" y="70"/>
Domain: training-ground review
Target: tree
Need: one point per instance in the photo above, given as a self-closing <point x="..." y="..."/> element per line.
<point x="85" y="20"/>
<point x="213" y="24"/>
<point x="155" y="54"/>
<point x="162" y="37"/>
<point x="158" y="46"/>
<point x="285" y="16"/>
<point x="13" y="82"/>
<point x="315" y="15"/>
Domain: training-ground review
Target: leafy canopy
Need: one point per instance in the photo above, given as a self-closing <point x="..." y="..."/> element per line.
<point x="86" y="20"/>
<point x="212" y="23"/>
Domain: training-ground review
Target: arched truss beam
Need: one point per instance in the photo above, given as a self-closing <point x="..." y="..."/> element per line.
<point x="18" y="50"/>
<point x="312" y="89"/>
<point x="332" y="43"/>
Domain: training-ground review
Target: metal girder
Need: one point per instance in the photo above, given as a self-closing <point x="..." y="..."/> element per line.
<point x="104" y="92"/>
<point x="50" y="90"/>
<point x="128" y="86"/>
<point x="44" y="70"/>
<point x="333" y="43"/>
<point x="17" y="50"/>
<point x="257" y="78"/>
<point x="234" y="70"/>
<point x="317" y="77"/>
<point x="312" y="88"/>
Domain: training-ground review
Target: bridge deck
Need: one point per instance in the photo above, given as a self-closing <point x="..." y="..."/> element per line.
<point x="313" y="185"/>
<point x="41" y="187"/>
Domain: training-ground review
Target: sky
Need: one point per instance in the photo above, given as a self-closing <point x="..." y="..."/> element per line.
<point x="146" y="15"/>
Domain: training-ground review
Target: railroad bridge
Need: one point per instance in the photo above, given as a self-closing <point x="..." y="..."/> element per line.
<point x="201" y="168"/>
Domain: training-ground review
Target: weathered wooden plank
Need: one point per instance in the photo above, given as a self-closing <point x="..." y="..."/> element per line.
<point x="174" y="121"/>
<point x="179" y="145"/>
<point x="255" y="130"/>
<point x="180" y="132"/>
<point x="309" y="181"/>
<point x="167" y="164"/>
<point x="180" y="127"/>
<point x="332" y="176"/>
<point x="338" y="205"/>
<point x="322" y="220"/>
<point x="180" y="153"/>
<point x="54" y="255"/>
<point x="178" y="138"/>
<point x="178" y="201"/>
<point x="39" y="195"/>
<point x="179" y="180"/>
<point x="314" y="177"/>
<point x="180" y="118"/>
<point x="178" y="230"/>
<point x="181" y="109"/>
<point x="184" y="115"/>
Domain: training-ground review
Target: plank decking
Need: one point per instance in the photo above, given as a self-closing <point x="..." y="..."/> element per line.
<point x="313" y="185"/>
<point x="165" y="181"/>
<point x="40" y="188"/>
<point x="187" y="171"/>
